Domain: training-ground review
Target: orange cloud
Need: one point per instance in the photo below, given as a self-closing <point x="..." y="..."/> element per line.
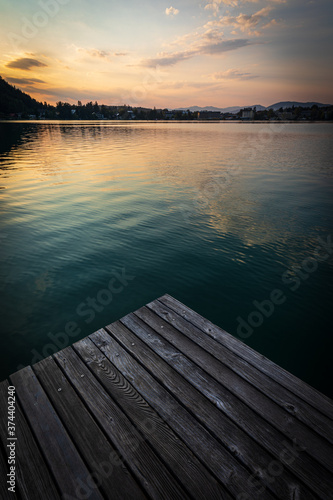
<point x="232" y="74"/>
<point x="25" y="63"/>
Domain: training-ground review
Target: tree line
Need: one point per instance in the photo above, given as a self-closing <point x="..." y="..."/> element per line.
<point x="17" y="104"/>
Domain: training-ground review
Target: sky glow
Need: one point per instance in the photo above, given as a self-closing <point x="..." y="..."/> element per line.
<point x="153" y="53"/>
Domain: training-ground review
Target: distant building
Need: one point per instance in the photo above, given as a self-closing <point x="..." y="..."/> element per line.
<point x="248" y="113"/>
<point x="209" y="115"/>
<point x="228" y="116"/>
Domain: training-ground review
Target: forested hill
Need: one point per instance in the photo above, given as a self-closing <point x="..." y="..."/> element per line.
<point x="13" y="100"/>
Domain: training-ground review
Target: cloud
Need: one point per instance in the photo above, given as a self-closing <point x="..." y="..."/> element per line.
<point x="167" y="59"/>
<point x="176" y="85"/>
<point x="225" y="46"/>
<point x="171" y="11"/>
<point x="246" y="23"/>
<point x="24" y="81"/>
<point x="73" y="94"/>
<point x="210" y="39"/>
<point x="25" y="63"/>
<point x="100" y="54"/>
<point x="215" y="4"/>
<point x="210" y="48"/>
<point x="232" y="74"/>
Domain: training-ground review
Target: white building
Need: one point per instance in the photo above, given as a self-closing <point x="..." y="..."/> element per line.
<point x="248" y="113"/>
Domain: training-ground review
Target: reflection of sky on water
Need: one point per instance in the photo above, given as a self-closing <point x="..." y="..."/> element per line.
<point x="210" y="163"/>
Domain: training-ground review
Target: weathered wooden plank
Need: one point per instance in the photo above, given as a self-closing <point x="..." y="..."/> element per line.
<point x="198" y="481"/>
<point x="309" y="394"/>
<point x="103" y="460"/>
<point x="62" y="457"/>
<point x="34" y="480"/>
<point x="146" y="465"/>
<point x="283" y="397"/>
<point x="192" y="412"/>
<point x="238" y="443"/>
<point x="232" y="474"/>
<point x="228" y="403"/>
<point x="250" y="394"/>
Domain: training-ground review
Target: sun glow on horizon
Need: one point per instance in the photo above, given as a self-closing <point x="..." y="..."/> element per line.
<point x="219" y="52"/>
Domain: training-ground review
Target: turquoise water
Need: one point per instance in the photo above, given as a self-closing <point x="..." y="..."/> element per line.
<point x="99" y="218"/>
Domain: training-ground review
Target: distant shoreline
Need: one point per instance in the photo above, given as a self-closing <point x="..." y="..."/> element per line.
<point x="55" y="120"/>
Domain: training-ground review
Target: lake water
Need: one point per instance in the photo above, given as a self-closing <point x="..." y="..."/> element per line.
<point x="222" y="216"/>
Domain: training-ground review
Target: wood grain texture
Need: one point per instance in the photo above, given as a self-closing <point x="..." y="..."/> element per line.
<point x="104" y="462"/>
<point x="250" y="394"/>
<point x="305" y="468"/>
<point x="232" y="474"/>
<point x="164" y="405"/>
<point x="287" y="400"/>
<point x="34" y="480"/>
<point x="144" y="463"/>
<point x="309" y="394"/>
<point x="239" y="443"/>
<point x="195" y="478"/>
<point x="61" y="455"/>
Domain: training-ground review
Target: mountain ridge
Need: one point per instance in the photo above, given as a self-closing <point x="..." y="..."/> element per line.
<point x="259" y="107"/>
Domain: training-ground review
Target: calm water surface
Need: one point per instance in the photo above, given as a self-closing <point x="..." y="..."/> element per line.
<point x="218" y="215"/>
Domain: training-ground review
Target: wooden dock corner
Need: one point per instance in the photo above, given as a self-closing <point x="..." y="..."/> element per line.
<point x="163" y="404"/>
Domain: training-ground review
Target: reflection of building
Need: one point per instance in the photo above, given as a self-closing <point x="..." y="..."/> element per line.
<point x="248" y="113"/>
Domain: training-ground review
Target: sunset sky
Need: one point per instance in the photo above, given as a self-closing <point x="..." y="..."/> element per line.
<point x="156" y="53"/>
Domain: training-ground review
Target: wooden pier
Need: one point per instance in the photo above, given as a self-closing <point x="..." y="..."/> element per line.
<point x="163" y="404"/>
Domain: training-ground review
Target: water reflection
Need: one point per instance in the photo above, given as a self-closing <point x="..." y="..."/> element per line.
<point x="210" y="163"/>
<point x="207" y="212"/>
